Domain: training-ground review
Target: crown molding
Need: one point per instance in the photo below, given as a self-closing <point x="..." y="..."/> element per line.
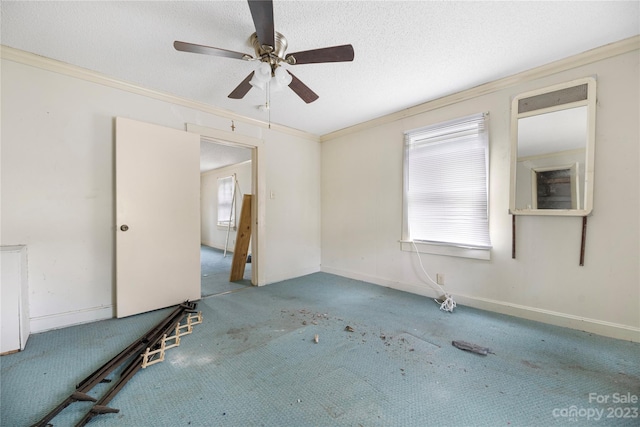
<point x="53" y="65"/>
<point x="588" y="57"/>
<point x="584" y="58"/>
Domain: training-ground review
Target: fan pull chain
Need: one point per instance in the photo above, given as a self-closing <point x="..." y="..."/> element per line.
<point x="269" y="102"/>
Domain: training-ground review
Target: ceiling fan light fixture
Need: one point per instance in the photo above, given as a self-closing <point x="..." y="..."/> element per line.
<point x="263" y="72"/>
<point x="280" y="79"/>
<point x="255" y="82"/>
<point x="282" y="76"/>
<point x="261" y="75"/>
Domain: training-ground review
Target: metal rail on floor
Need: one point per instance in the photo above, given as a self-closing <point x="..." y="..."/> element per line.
<point x="145" y="351"/>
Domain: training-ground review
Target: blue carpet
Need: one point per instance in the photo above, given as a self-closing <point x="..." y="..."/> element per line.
<point x="215" y="270"/>
<point x="254" y="362"/>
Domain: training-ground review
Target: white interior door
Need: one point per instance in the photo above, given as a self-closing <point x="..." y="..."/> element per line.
<point x="157" y="217"/>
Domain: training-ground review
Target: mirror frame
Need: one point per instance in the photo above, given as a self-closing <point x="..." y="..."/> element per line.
<point x="590" y="103"/>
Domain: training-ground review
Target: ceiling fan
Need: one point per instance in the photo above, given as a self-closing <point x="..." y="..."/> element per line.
<point x="270" y="47"/>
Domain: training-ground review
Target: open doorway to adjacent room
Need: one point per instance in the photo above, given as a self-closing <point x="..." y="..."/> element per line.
<point x="226" y="174"/>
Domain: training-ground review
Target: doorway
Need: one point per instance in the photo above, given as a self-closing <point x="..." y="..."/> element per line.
<point x="555" y="187"/>
<point x="226" y="174"/>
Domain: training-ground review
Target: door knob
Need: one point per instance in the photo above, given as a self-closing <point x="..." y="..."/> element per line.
<point x="124" y="227"/>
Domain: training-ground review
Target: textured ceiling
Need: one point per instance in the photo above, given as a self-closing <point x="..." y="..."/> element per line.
<point x="406" y="53"/>
<point x="214" y="155"/>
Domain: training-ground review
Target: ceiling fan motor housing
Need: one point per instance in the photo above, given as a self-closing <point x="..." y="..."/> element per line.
<point x="271" y="54"/>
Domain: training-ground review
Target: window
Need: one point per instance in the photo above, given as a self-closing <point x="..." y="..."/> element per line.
<point x="226" y="211"/>
<point x="446" y="184"/>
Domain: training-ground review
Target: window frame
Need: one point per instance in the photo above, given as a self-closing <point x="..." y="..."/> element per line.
<point x="442" y="248"/>
<point x="225" y="223"/>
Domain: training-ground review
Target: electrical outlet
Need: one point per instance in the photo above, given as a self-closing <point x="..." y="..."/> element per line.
<point x="440" y="279"/>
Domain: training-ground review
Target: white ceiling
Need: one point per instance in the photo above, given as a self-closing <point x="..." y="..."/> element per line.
<point x="406" y="52"/>
<point x="215" y="156"/>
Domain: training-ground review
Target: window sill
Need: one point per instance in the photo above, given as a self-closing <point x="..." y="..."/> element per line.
<point x="225" y="227"/>
<point x="446" y="250"/>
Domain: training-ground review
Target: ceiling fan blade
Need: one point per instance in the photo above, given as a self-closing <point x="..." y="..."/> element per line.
<point x="242" y="89"/>
<point x="302" y="90"/>
<point x="341" y="53"/>
<point x="262" y="14"/>
<point x="209" y="50"/>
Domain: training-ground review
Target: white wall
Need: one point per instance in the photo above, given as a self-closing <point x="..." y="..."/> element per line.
<point x="362" y="214"/>
<point x="58" y="184"/>
<point x="289" y="202"/>
<point x="210" y="233"/>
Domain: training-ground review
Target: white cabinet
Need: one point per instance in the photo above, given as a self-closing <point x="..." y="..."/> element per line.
<point x="14" y="299"/>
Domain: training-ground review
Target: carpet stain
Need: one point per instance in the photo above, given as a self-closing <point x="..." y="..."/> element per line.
<point x="529" y="364"/>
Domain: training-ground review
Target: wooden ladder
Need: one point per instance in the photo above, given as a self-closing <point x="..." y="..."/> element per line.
<point x="243" y="237"/>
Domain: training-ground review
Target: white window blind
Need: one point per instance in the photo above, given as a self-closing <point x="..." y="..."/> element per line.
<point x="446" y="183"/>
<point x="225" y="201"/>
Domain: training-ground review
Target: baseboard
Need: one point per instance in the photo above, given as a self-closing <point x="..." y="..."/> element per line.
<point x="218" y="247"/>
<point x="212" y="245"/>
<point x="63" y="320"/>
<point x="595" y="326"/>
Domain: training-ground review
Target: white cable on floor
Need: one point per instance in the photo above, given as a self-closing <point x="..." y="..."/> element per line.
<point x="448" y="304"/>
